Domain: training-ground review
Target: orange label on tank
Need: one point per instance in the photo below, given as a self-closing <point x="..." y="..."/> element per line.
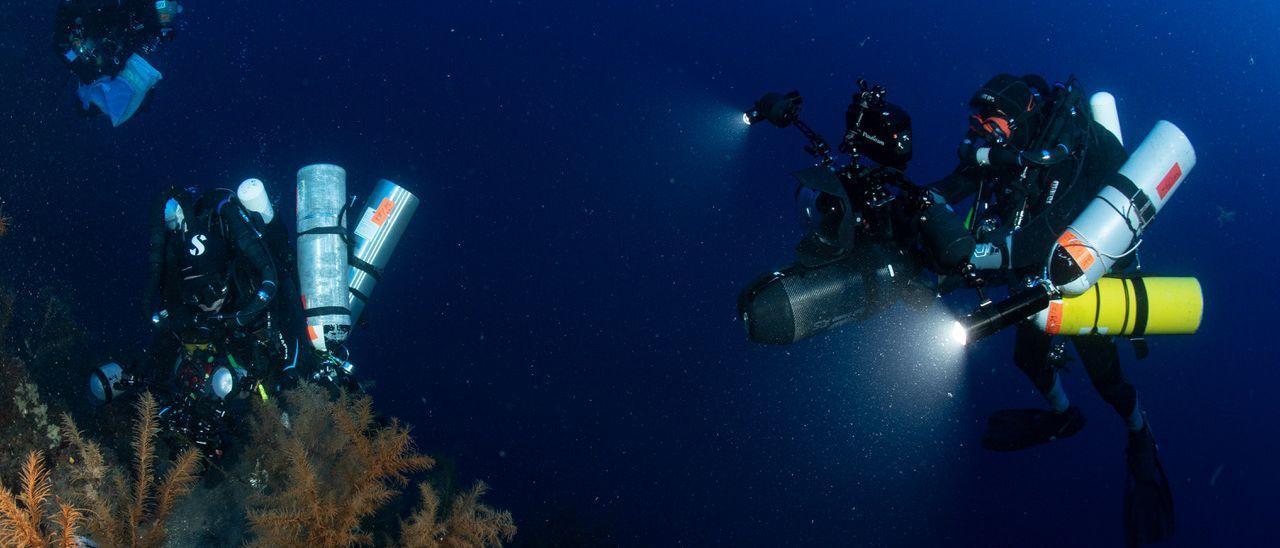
<point x="1053" y="325"/>
<point x="1078" y="251"/>
<point x="384" y="211"/>
<point x="1166" y="184"/>
<point x="311" y="332"/>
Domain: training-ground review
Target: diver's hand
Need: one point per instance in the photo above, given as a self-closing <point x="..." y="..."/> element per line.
<point x="987" y="256"/>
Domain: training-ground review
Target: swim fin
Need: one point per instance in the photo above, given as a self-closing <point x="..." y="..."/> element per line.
<point x="1018" y="429"/>
<point x="1148" y="502"/>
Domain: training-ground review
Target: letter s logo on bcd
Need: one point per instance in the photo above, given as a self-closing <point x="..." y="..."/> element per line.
<point x="197" y="245"/>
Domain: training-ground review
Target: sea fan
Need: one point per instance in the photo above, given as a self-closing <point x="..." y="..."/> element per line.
<point x="25" y="520"/>
<point x="132" y="511"/>
<point x="331" y="466"/>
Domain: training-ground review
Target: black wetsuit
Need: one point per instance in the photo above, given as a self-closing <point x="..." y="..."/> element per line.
<point x="96" y="37"/>
<point x="1053" y="196"/>
<point x="221" y="282"/>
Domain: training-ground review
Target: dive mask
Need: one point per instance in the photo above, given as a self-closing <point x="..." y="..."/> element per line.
<point x="996" y="128"/>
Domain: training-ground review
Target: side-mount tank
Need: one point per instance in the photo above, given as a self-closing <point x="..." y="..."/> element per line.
<point x="385" y="217"/>
<point x="322" y="254"/>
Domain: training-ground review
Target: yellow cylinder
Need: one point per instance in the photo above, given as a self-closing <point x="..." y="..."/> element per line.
<point x="1128" y="306"/>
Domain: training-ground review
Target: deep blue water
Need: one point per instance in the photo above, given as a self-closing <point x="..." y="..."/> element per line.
<point x="560" y="318"/>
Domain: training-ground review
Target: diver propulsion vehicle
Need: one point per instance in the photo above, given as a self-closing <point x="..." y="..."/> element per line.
<point x="851" y="264"/>
<point x="804" y="300"/>
<point x="1107" y="230"/>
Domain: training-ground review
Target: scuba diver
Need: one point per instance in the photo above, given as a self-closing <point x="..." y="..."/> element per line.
<point x="236" y="319"/>
<point x="1034" y="158"/>
<point x="103" y="42"/>
<point x="229" y="325"/>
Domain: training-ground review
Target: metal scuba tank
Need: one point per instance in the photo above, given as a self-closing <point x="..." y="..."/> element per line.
<point x="322" y="254"/>
<point x="1127" y="306"/>
<point x="386" y="214"/>
<point x="1103" y="106"/>
<point x="252" y="194"/>
<point x="1111" y="224"/>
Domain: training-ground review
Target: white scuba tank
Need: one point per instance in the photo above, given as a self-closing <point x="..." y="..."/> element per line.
<point x="322" y="254"/>
<point x="252" y="194"/>
<point x="386" y="214"/>
<point x="1103" y="106"/>
<point x="1112" y="223"/>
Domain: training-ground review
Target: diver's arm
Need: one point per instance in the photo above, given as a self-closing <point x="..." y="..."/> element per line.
<point x="960" y="184"/>
<point x="249" y="242"/>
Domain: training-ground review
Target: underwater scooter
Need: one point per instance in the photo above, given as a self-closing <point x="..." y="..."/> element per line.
<point x="1075" y="295"/>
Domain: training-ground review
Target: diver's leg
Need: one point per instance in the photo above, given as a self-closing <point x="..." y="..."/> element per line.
<point x="1102" y="362"/>
<point x="1148" y="500"/>
<point x="1031" y="355"/>
<point x="1015" y="429"/>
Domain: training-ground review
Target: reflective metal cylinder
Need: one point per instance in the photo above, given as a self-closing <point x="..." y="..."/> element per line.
<point x="386" y="214"/>
<point x="322" y="254"/>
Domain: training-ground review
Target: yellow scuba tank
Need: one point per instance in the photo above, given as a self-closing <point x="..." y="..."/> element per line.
<point x="1127" y="306"/>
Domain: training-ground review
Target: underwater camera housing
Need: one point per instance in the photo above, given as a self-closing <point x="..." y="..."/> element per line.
<point x="853" y="260"/>
<point x="876" y="129"/>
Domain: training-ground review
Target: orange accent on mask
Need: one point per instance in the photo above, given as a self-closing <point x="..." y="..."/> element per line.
<point x="996" y="126"/>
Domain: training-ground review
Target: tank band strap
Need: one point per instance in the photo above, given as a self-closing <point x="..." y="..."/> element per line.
<point x="365" y="267"/>
<point x="1141" y="202"/>
<point x="1097" y="307"/>
<point x="1124" y="286"/>
<point x="326" y="311"/>
<point x="106" y="384"/>
<point x="325" y="230"/>
<point x="359" y="295"/>
<point x="1141" y="307"/>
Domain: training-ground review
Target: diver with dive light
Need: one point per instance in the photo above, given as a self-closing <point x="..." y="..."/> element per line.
<point x="1057" y="205"/>
<point x="1058" y="211"/>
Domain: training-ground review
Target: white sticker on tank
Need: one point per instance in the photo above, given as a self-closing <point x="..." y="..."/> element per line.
<point x="366" y="229"/>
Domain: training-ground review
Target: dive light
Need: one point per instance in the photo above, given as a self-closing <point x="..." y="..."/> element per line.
<point x="778" y="108"/>
<point x="991" y="318"/>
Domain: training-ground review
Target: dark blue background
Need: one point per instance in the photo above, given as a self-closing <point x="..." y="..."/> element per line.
<point x="561" y="316"/>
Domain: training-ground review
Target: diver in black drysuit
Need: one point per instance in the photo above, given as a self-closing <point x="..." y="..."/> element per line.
<point x="223" y="277"/>
<point x="96" y="37"/>
<point x="1044" y="162"/>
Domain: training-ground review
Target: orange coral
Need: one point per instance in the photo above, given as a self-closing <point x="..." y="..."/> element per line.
<point x="329" y="469"/>
<point x="467" y="523"/>
<point x="330" y="466"/>
<point x="24" y="518"/>
<point x="124" y="514"/>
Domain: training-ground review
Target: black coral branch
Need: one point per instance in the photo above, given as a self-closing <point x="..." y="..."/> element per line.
<point x="129" y="508"/>
<point x="25" y="521"/>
